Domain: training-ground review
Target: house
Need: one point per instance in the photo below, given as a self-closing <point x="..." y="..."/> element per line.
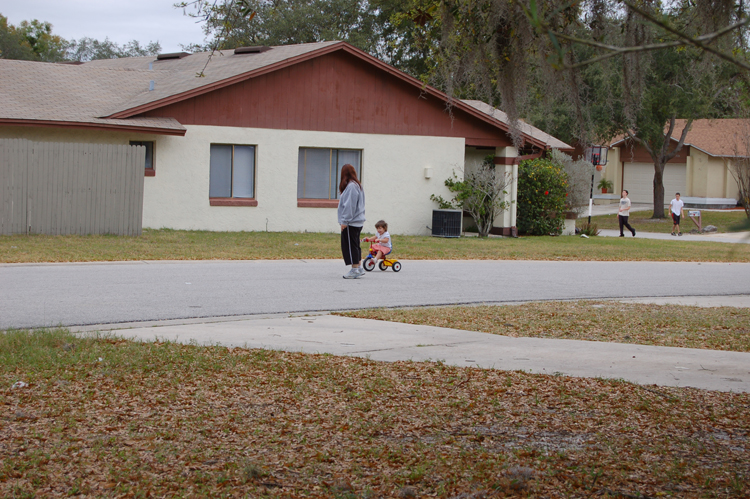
<point x="252" y="139"/>
<point x="701" y="172"/>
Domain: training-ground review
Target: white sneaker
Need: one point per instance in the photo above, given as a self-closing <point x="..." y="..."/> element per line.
<point x="361" y="269"/>
<point x="352" y="274"/>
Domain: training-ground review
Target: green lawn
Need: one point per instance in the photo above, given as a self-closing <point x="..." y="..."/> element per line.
<point x="104" y="417"/>
<point x="201" y="245"/>
<point x="725" y="221"/>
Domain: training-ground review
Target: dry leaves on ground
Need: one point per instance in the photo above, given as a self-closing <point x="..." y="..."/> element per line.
<point x="109" y="418"/>
<point x="721" y="328"/>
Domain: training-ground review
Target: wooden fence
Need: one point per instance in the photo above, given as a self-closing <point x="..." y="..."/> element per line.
<point x="65" y="188"/>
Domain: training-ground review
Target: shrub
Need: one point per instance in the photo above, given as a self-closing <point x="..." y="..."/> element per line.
<point x="589" y="229"/>
<point x="542" y="191"/>
<point x="481" y="194"/>
<point x="579" y="179"/>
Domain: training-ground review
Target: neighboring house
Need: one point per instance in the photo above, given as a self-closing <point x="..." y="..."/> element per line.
<point x="701" y="172"/>
<point x="257" y="142"/>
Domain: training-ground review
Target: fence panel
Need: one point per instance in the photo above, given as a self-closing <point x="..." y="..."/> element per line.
<point x="69" y="188"/>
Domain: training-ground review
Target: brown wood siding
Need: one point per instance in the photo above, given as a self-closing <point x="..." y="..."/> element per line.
<point x="335" y="92"/>
<point x="638" y="154"/>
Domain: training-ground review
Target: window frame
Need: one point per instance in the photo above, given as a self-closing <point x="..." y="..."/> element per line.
<point x="148" y="172"/>
<point x="304" y="202"/>
<point x="235" y="201"/>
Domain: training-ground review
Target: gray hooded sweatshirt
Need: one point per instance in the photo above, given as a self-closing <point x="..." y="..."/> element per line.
<point x="352" y="206"/>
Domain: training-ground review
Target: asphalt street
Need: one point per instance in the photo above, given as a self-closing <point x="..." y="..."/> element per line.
<point x="36" y="295"/>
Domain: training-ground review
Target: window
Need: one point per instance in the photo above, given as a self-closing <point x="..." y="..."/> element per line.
<point x="319" y="171"/>
<point x="149" y="145"/>
<point x="232" y="175"/>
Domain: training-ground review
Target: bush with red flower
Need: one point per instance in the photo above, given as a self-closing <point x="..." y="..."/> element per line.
<point x="542" y="189"/>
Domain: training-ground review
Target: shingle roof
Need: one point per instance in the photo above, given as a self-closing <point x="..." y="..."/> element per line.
<point x="527" y="129"/>
<point x="106" y="93"/>
<point x="721" y="137"/>
<point x="43" y="92"/>
<point x="718" y="137"/>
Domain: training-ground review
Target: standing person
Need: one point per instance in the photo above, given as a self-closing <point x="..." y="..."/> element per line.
<point x="351" y="218"/>
<point x="624" y="213"/>
<point x="675" y="209"/>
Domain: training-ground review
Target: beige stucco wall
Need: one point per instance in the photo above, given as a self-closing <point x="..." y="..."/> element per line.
<point x="710" y="176"/>
<point x="393" y="174"/>
<point x="730" y="186"/>
<point x="612" y="171"/>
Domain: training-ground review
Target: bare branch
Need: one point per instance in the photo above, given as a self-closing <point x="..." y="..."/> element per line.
<point x="681" y="142"/>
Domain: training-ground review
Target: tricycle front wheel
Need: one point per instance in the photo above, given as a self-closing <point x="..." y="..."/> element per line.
<point x="369" y="264"/>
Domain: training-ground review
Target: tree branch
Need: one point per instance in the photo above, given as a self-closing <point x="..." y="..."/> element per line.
<point x="692" y="41"/>
<point x="681" y="142"/>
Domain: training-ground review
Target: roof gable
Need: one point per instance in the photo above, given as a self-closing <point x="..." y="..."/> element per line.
<point x="226" y="70"/>
<point x="333" y="92"/>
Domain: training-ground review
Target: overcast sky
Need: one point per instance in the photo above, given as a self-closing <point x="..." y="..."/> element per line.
<point x="119" y="20"/>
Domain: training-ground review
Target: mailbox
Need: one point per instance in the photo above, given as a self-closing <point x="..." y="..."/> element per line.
<point x="695" y="216"/>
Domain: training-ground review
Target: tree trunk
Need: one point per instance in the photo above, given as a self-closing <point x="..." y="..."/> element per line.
<point x="658" y="191"/>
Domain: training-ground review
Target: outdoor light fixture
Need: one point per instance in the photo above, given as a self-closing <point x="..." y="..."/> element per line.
<point x="597" y="156"/>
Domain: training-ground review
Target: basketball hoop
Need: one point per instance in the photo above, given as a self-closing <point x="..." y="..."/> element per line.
<point x="597" y="156"/>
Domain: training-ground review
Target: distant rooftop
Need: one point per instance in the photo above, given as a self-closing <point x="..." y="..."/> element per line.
<point x="527" y="129"/>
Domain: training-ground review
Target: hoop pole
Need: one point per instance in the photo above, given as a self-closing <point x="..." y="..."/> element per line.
<point x="591" y="197"/>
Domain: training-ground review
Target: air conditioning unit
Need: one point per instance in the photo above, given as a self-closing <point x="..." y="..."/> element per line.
<point x="447" y="223"/>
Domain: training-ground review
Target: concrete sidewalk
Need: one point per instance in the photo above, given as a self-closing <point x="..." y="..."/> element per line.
<point x="724" y="237"/>
<point x="385" y="341"/>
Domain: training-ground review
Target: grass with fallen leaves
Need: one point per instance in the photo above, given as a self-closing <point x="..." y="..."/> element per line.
<point x="102" y="417"/>
<point x="721" y="328"/>
<point x="202" y="245"/>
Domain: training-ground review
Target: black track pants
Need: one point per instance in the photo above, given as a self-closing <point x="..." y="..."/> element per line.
<point x="350" y="248"/>
<point x="624" y="223"/>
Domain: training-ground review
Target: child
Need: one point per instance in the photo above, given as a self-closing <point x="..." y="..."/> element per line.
<point x="676" y="210"/>
<point x="383" y="240"/>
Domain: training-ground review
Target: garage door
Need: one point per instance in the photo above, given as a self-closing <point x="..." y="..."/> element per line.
<point x="638" y="179"/>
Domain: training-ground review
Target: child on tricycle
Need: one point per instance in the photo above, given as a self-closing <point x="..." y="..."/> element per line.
<point x="381" y="249"/>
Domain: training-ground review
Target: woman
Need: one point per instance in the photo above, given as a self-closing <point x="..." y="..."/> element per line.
<point x="352" y="219"/>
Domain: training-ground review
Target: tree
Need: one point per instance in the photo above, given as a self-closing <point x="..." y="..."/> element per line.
<point x="31" y="41"/>
<point x="365" y="24"/>
<point x="740" y="168"/>
<point x="481" y="193"/>
<point x="13" y="44"/>
<point x="89" y="49"/>
<point x="34" y="41"/>
<point x="601" y="67"/>
<point x="286" y="22"/>
<point x="46" y="46"/>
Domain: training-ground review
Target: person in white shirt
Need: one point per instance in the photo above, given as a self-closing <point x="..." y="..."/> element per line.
<point x="675" y="209"/>
<point x="624" y="213"/>
<point x="383" y="240"/>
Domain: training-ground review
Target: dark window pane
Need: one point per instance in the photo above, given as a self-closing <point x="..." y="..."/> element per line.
<point x="220" y="180"/>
